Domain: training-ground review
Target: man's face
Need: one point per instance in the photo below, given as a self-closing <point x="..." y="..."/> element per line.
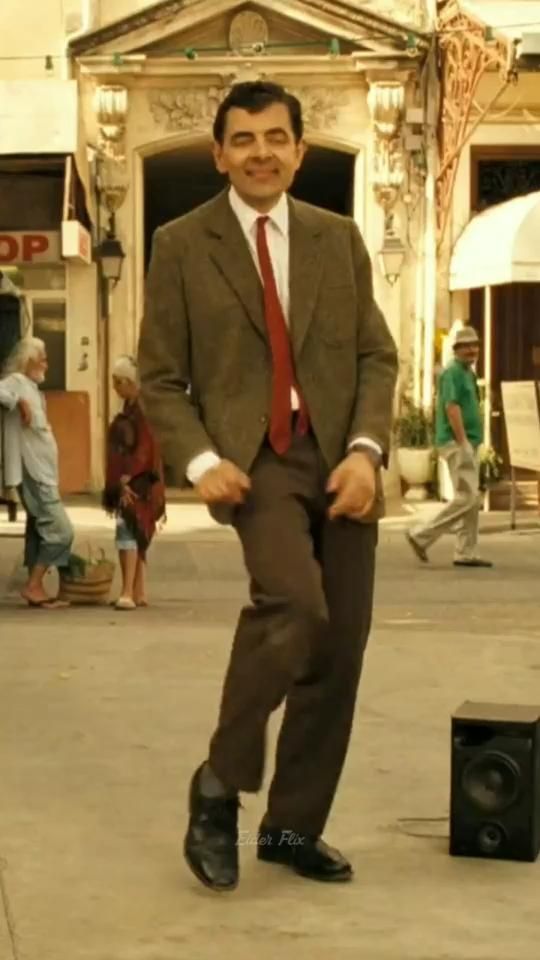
<point x="37" y="368"/>
<point x="468" y="353"/>
<point x="260" y="154"/>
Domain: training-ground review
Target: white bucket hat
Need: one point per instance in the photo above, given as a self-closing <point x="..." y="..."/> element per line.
<point x="465" y="336"/>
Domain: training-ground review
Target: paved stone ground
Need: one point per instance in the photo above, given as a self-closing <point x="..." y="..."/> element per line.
<point x="104" y="715"/>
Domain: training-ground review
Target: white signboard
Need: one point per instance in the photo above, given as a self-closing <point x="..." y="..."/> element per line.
<point x="520" y="403"/>
<point x="76" y="241"/>
<point x="38" y="116"/>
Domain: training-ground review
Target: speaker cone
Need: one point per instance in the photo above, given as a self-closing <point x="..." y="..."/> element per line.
<point x="491" y="838"/>
<point x="491" y="781"/>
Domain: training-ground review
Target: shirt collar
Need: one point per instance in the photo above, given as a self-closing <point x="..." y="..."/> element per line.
<point x="279" y="215"/>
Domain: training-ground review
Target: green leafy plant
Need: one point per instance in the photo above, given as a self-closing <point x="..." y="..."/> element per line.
<point x="490" y="467"/>
<point x="90" y="567"/>
<point x="414" y="427"/>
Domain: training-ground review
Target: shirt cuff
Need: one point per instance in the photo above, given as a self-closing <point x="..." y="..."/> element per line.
<point x="367" y="442"/>
<point x="197" y="467"/>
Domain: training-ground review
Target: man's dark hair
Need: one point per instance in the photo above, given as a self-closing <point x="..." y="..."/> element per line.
<point x="256" y="97"/>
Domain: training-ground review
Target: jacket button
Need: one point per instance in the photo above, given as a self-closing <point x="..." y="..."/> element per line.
<point x="264" y="419"/>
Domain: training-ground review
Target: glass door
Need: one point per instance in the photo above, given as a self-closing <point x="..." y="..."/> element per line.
<point x="48" y="316"/>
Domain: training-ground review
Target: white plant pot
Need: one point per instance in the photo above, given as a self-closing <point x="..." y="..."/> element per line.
<point x="415" y="466"/>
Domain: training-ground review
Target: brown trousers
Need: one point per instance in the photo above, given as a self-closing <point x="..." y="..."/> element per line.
<point x="303" y="639"/>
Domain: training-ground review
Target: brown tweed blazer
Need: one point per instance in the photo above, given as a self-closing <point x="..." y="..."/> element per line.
<point x="204" y="329"/>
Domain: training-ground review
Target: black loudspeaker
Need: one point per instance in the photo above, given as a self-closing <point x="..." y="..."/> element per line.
<point x="495" y="784"/>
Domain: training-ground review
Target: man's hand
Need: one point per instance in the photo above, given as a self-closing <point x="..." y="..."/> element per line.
<point x="25" y="412"/>
<point x="224" y="483"/>
<point x="467" y="452"/>
<point x="353" y="482"/>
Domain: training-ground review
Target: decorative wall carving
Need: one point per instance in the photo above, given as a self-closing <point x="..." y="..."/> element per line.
<point x="386" y="101"/>
<point x="188" y="109"/>
<point x="320" y="105"/>
<point x="249" y="30"/>
<point x="194" y="108"/>
<point x="111" y="107"/>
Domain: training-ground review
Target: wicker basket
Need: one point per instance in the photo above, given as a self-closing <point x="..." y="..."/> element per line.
<point x="92" y="587"/>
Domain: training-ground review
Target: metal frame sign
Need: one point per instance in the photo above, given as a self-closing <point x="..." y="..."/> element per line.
<point x="522" y="418"/>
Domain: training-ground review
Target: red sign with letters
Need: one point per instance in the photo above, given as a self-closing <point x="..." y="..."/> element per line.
<point x="19" y="247"/>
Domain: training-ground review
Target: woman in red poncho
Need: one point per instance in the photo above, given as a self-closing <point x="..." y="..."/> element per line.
<point x="134" y="488"/>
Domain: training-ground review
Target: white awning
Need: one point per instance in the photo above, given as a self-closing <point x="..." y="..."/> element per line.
<point x="510" y="19"/>
<point x="43" y="117"/>
<point x="500" y="245"/>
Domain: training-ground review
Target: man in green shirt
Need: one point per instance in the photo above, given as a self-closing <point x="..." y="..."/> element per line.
<point x="458" y="435"/>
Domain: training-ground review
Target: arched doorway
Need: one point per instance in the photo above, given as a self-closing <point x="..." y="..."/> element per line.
<point x="176" y="181"/>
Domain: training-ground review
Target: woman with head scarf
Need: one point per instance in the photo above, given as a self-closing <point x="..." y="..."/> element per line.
<point x="134" y="488"/>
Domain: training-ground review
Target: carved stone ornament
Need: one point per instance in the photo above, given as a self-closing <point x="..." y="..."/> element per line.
<point x="320" y="105"/>
<point x="195" y="108"/>
<point x="249" y="30"/>
<point x="386" y="102"/>
<point x="111" y="107"/>
<point x="189" y="109"/>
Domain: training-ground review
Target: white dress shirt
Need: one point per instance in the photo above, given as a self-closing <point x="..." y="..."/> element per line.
<point x="277" y="235"/>
<point x="33" y="447"/>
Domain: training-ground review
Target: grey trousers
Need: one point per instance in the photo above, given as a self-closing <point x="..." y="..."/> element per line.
<point x="49" y="532"/>
<point x="462" y="513"/>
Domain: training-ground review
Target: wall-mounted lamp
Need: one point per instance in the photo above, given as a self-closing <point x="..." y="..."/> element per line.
<point x="111" y="256"/>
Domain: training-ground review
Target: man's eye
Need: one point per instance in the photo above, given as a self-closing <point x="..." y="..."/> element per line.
<point x="280" y="138"/>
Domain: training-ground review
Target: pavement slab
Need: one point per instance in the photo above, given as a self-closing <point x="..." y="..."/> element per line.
<point x="104" y="715"/>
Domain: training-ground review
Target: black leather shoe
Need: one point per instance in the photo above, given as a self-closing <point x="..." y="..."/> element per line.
<point x="474" y="562"/>
<point x="307" y="855"/>
<point x="211" y="843"/>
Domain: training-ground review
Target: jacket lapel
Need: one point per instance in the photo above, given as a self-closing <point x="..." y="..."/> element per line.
<point x="305" y="265"/>
<point x="232" y="256"/>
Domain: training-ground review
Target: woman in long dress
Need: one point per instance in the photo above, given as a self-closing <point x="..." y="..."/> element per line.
<point x="134" y="487"/>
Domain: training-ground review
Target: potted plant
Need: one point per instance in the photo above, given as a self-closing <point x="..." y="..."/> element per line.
<point x="413" y="432"/>
<point x="87" y="580"/>
<point x="490" y="467"/>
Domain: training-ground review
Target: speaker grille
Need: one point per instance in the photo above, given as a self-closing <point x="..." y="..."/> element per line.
<point x="491" y="781"/>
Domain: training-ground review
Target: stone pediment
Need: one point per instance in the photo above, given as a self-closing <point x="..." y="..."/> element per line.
<point x="246" y="30"/>
<point x="237" y="26"/>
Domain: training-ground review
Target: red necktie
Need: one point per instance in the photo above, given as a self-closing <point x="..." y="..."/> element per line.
<point x="283" y="376"/>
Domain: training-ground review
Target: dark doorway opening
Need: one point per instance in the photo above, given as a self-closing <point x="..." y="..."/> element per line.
<point x="177" y="181"/>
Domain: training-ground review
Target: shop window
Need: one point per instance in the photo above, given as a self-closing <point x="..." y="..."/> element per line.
<point x="33" y="197"/>
<point x="49" y="324"/>
<point x="42" y="277"/>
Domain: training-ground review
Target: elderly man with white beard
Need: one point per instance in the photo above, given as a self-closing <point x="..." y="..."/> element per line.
<point x="33" y="457"/>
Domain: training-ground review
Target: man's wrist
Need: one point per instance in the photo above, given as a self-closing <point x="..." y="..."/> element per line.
<point x="368" y="450"/>
<point x="200" y="465"/>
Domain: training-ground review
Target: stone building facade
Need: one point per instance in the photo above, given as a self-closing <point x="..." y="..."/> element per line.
<point x="128" y="90"/>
